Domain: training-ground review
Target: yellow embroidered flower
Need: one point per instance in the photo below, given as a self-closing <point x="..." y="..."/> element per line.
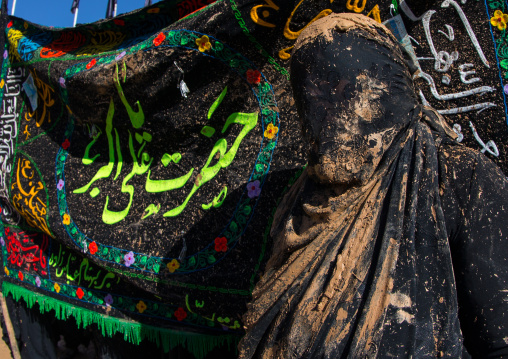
<point x="204" y="43"/>
<point x="6" y="270"/>
<point x="271" y="131"/>
<point x="141" y="306"/>
<point x="173" y="266"/>
<point x="57" y="287"/>
<point x="499" y="20"/>
<point x="66" y="219"/>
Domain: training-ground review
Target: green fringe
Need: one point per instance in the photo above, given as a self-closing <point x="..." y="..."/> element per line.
<point x="197" y="344"/>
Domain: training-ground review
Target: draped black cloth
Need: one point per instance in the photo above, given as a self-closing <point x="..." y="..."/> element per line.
<point x="387" y="246"/>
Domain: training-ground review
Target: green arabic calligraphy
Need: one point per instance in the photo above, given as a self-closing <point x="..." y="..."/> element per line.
<point x="87" y="274"/>
<point x="223" y="321"/>
<point x="142" y="160"/>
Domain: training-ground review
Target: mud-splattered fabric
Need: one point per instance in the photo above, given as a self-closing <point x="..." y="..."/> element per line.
<point x="392" y="242"/>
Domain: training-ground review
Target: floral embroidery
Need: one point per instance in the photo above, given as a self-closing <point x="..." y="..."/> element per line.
<point x="234" y="62"/>
<point x="66" y="144"/>
<point x="119" y="22"/>
<point x="80" y="293"/>
<point x="271" y="131"/>
<point x="108" y="299"/>
<point x="180" y="314"/>
<point x="2" y="241"/>
<point x="61" y="81"/>
<point x="9" y="25"/>
<point x="6" y="270"/>
<point x="6" y="53"/>
<point x="155" y="10"/>
<point x="57" y="287"/>
<point x="156" y="268"/>
<point x="20" y="275"/>
<point x="253" y="77"/>
<point x="141" y="306"/>
<point x="173" y="265"/>
<point x="129" y="259"/>
<point x="37" y="281"/>
<point x="254" y="189"/>
<point x="92" y="247"/>
<point x="221" y="244"/>
<point x="91" y="64"/>
<point x="204" y="43"/>
<point x="159" y="39"/>
<point x="60" y="184"/>
<point x="499" y="20"/>
<point x="66" y="219"/>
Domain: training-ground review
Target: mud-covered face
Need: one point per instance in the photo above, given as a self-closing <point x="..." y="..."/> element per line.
<point x="352" y="99"/>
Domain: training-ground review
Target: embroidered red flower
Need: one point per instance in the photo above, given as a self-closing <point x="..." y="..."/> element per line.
<point x="180" y="314"/>
<point x="80" y="293"/>
<point x="92" y="247"/>
<point x="9" y="25"/>
<point x="119" y="22"/>
<point x="253" y="77"/>
<point x="91" y="64"/>
<point x="159" y="39"/>
<point x="221" y="244"/>
<point x="20" y="275"/>
<point x="66" y="144"/>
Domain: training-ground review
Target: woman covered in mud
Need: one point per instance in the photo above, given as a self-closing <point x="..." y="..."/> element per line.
<point x="394" y="241"/>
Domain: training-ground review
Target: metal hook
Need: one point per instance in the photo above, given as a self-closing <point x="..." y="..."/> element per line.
<point x="392" y="7"/>
<point x="184" y="89"/>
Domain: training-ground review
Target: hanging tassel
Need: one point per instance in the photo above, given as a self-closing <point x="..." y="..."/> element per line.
<point x="197" y="344"/>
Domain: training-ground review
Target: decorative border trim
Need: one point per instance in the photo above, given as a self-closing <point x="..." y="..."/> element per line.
<point x="198" y="344"/>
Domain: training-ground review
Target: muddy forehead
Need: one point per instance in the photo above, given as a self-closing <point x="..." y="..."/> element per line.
<point x="327" y="27"/>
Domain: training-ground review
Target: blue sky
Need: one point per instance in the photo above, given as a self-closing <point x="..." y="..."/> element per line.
<point x="58" y="12"/>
